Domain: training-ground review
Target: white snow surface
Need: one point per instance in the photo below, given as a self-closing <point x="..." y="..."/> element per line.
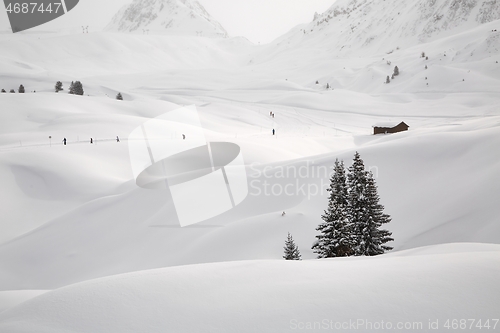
<point x="413" y="287"/>
<point x="113" y="255"/>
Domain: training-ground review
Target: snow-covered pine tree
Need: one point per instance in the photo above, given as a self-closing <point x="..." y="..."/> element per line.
<point x="357" y="203"/>
<point x="3" y="91"/>
<point x="396" y="71"/>
<point x="291" y="249"/>
<point x="78" y="88"/>
<point x="336" y="231"/>
<point x="59" y="86"/>
<point x="365" y="211"/>
<point x="377" y="237"/>
<point x="12" y="91"/>
<point x="21" y="89"/>
<point x="71" y="88"/>
<point x="387" y="80"/>
<point x="119" y="97"/>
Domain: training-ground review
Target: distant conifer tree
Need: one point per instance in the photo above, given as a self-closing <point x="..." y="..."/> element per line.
<point x="78" y="88"/>
<point x="387" y="80"/>
<point x="12" y="91"/>
<point x="21" y="89"/>
<point x="71" y="88"/>
<point x="291" y="249"/>
<point x="119" y="97"/>
<point x="3" y="91"/>
<point x="396" y="71"/>
<point x="59" y="86"/>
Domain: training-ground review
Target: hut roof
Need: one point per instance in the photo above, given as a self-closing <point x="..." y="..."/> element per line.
<point x="389" y="124"/>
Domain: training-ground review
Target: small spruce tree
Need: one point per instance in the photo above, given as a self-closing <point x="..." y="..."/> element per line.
<point x="78" y="88"/>
<point x="21" y="89"/>
<point x="12" y="91"/>
<point x="59" y="86"/>
<point x="291" y="249"/>
<point x="71" y="88"/>
<point x="119" y="97"/>
<point x="328" y="86"/>
<point x="387" y="80"/>
<point x="396" y="71"/>
<point x="3" y="91"/>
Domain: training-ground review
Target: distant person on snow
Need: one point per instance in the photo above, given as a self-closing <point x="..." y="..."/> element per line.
<point x="91" y="141"/>
<point x="283" y="214"/>
<point x="117" y="139"/>
<point x="183" y="137"/>
<point x="274" y="131"/>
<point x="64" y="141"/>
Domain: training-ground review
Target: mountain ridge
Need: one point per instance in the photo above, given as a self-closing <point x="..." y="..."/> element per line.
<point x="359" y="24"/>
<point x="178" y="17"/>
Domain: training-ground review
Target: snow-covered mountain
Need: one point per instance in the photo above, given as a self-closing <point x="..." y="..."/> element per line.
<point x="356" y="44"/>
<point x="177" y="17"/>
<point x="384" y="25"/>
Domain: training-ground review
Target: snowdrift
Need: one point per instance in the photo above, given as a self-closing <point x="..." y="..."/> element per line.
<point x="415" y="288"/>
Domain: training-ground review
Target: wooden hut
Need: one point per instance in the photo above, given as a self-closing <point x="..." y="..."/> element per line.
<point x="390" y="128"/>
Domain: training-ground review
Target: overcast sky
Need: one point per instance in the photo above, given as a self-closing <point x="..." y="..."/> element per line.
<point x="258" y="20"/>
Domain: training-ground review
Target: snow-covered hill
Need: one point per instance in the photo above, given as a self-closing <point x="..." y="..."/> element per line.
<point x="77" y="210"/>
<point x="174" y="17"/>
<point x="420" y="290"/>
